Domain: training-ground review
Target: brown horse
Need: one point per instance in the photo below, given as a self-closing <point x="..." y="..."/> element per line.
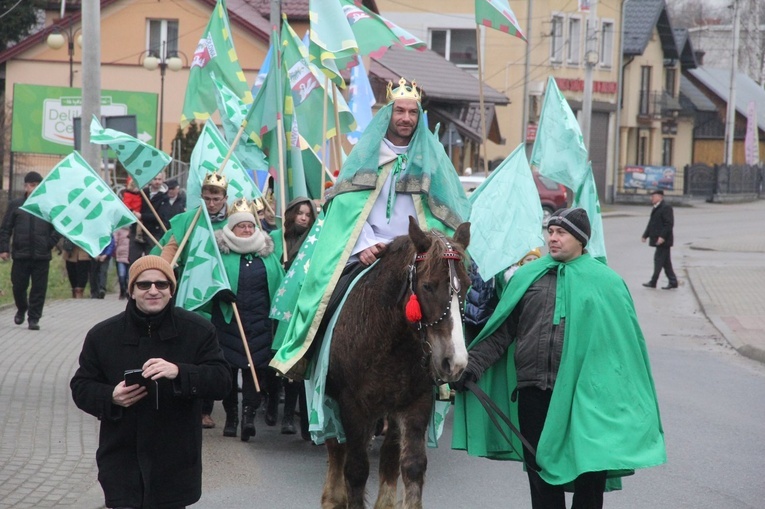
<point x="384" y="366"/>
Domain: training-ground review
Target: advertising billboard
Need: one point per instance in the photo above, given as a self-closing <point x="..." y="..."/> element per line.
<point x="650" y="177"/>
<point x="42" y="121"/>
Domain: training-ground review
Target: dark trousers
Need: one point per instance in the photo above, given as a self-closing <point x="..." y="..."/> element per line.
<point x="22" y="272"/>
<point x="663" y="260"/>
<point x="122" y="275"/>
<point x="269" y="384"/>
<point x="78" y="273"/>
<point x="98" y="276"/>
<point x="588" y="488"/>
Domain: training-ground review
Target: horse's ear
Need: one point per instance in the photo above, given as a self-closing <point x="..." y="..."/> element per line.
<point x="462" y="235"/>
<point x="419" y="238"/>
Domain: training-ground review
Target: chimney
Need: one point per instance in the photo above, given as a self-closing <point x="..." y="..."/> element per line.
<point x="699" y="55"/>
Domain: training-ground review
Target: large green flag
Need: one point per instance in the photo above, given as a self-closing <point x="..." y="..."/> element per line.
<point x="505" y="216"/>
<point x="333" y="44"/>
<point x="142" y="161"/>
<point x="559" y="150"/>
<point x="266" y="109"/>
<point x="207" y="156"/>
<point x="215" y="56"/>
<point x="296" y="182"/>
<point x="587" y="198"/>
<point x="498" y="15"/>
<point x="232" y="113"/>
<point x="374" y="33"/>
<point x="204" y="274"/>
<point x="79" y="205"/>
<point x="306" y="96"/>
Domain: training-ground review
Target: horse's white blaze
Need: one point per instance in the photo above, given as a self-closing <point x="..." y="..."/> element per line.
<point x="460" y="359"/>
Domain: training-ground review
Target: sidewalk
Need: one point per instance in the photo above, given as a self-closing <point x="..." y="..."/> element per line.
<point x="733" y="298"/>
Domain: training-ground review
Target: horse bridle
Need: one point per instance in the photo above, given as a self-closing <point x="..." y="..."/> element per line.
<point x="450" y="255"/>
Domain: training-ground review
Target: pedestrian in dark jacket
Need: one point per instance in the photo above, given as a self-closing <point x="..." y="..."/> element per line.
<point x="154" y="193"/>
<point x="659" y="235"/>
<point x="172" y="204"/>
<point x="150" y="445"/>
<point x="33" y="239"/>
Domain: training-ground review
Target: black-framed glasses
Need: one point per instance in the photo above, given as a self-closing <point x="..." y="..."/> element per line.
<point x="145" y="285"/>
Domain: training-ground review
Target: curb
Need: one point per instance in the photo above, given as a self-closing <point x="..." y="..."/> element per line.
<point x="731" y="337"/>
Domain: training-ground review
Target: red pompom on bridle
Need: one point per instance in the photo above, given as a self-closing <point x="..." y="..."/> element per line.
<point x="413" y="310"/>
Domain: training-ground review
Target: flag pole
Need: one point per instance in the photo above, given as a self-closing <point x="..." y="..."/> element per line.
<point x="153" y="210"/>
<point x="338" y="146"/>
<point x="187" y="235"/>
<point x="484" y="134"/>
<point x="283" y="186"/>
<point x="246" y="346"/>
<point x="324" y="137"/>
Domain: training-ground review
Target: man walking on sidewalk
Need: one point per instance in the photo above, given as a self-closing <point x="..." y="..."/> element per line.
<point x="659" y="235"/>
<point x="33" y="240"/>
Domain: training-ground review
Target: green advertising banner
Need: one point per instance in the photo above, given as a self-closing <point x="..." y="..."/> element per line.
<point x="43" y="116"/>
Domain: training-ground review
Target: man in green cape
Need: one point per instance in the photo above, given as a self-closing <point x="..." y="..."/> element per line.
<point x="396" y="170"/>
<point x="563" y="355"/>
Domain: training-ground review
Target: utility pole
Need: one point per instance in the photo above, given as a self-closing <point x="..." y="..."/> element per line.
<point x="590" y="60"/>
<point x="730" y="122"/>
<point x="91" y="81"/>
<point x="526" y="71"/>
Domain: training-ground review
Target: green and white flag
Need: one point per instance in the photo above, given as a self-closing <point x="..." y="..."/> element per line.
<point x="232" y="113"/>
<point x="505" y="216"/>
<point x="142" y="161"/>
<point x="204" y="274"/>
<point x="207" y="156"/>
<point x="79" y="205"/>
<point x="559" y="150"/>
<point x="587" y="198"/>
<point x="498" y="15"/>
<point x="215" y="57"/>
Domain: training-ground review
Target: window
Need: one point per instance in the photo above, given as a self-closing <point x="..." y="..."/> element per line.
<point x="607" y="43"/>
<point x="645" y="89"/>
<point x="670" y="74"/>
<point x="556" y="39"/>
<point x="574" y="40"/>
<point x="455" y="45"/>
<point x="642" y="149"/>
<point x="666" y="153"/>
<point x="162" y="31"/>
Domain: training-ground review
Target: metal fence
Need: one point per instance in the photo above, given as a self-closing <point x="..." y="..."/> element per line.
<point x="719" y="182"/>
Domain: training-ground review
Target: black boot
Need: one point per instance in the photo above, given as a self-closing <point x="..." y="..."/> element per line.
<point x="272" y="409"/>
<point x="248" y="423"/>
<point x="232" y="421"/>
<point x="288" y="425"/>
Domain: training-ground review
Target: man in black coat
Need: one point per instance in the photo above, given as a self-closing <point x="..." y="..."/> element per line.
<point x="33" y="240"/>
<point x="155" y="192"/>
<point x="659" y="235"/>
<point x="150" y="446"/>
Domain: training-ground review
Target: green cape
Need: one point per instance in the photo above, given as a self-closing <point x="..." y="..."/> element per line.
<point x="438" y="198"/>
<point x="604" y="414"/>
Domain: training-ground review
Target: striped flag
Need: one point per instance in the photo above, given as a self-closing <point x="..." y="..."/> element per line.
<point x="498" y="15"/>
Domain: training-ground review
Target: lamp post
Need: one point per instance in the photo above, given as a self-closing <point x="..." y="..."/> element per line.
<point x="152" y="62"/>
<point x="58" y="38"/>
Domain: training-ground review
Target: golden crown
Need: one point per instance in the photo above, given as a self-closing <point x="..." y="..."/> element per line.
<point x="215" y="180"/>
<point x="403" y="91"/>
<point x="240" y="205"/>
<point x="257" y="205"/>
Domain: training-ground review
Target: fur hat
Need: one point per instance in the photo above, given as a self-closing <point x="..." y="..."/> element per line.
<point x="147" y="263"/>
<point x="574" y="221"/>
<point x="32" y="178"/>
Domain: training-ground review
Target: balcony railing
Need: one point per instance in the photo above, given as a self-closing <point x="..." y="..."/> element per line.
<point x="657" y="106"/>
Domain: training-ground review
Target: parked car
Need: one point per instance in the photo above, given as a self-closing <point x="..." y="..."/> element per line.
<point x="552" y="195"/>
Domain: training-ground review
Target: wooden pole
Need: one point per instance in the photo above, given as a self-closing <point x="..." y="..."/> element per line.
<point x="153" y="210"/>
<point x="484" y="133"/>
<point x="324" y="137"/>
<point x="246" y="346"/>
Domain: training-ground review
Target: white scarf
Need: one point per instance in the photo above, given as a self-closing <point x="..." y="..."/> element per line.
<point x="260" y="244"/>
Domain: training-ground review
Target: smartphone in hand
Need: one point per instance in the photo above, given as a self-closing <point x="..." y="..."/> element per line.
<point x="135" y="376"/>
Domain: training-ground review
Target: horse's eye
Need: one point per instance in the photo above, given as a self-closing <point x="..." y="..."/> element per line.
<point x="427" y="287"/>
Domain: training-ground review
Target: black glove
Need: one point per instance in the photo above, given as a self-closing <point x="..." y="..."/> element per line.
<point x="226" y="296"/>
<point x="459" y="385"/>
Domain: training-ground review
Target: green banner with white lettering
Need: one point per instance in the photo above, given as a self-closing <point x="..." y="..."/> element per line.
<point x="43" y="116"/>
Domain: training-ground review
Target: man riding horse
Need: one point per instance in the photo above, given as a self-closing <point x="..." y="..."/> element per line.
<point x="397" y="169"/>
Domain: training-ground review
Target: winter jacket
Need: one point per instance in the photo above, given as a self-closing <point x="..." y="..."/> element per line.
<point x="168" y="210"/>
<point x="148" y="218"/>
<point x="151" y="458"/>
<point x="33" y="238"/>
<point x="480" y="299"/>
<point x="539" y="343"/>
<point x="660" y="224"/>
<point x="122" y="244"/>
<point x="132" y="200"/>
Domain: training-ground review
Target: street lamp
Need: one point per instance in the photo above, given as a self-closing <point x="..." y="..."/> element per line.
<point x="152" y="62"/>
<point x="58" y="38"/>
